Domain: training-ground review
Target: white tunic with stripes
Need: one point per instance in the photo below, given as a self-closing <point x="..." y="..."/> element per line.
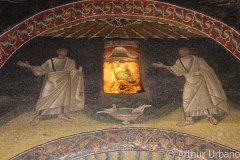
<point x="203" y="93"/>
<point x="63" y="87"/>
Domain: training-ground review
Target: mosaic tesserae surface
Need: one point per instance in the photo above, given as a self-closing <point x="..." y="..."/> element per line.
<point x="119" y="79"/>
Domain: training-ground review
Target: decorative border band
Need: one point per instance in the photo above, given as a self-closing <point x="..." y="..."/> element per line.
<point x="14" y="38"/>
<point x="123" y="139"/>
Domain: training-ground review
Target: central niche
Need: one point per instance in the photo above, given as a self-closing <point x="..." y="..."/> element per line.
<point x="121" y="68"/>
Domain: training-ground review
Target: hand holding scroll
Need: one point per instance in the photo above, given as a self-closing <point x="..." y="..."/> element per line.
<point x="158" y="64"/>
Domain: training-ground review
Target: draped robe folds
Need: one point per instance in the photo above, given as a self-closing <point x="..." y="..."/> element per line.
<point x="63" y="87"/>
<point x="203" y="93"/>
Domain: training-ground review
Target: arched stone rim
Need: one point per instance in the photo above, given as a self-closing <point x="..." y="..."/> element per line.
<point x="20" y="34"/>
<point x="122" y="139"/>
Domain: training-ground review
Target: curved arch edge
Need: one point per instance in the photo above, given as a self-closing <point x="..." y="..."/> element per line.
<point x="121" y="139"/>
<point x="14" y="38"/>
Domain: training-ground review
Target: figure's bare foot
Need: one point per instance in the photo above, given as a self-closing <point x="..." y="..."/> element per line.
<point x="185" y="123"/>
<point x="35" y="121"/>
<point x="65" y="118"/>
<point x="212" y="120"/>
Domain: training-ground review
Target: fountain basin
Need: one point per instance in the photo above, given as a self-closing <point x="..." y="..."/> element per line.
<point x="123" y="114"/>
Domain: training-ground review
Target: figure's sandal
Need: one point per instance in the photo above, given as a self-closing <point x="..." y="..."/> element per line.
<point x="36" y="120"/>
<point x="212" y="120"/>
<point x="185" y="123"/>
<point x="65" y="118"/>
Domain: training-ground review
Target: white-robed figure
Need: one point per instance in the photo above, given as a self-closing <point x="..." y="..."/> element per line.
<point x="203" y="93"/>
<point x="63" y="87"/>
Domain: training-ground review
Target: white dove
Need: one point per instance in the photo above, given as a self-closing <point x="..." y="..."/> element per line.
<point x="140" y="109"/>
<point x="109" y="110"/>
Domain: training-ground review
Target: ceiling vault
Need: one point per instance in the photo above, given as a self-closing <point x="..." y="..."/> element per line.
<point x="122" y="27"/>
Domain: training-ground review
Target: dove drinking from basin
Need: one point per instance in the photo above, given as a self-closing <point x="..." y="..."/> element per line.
<point x="109" y="110"/>
<point x="140" y="109"/>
